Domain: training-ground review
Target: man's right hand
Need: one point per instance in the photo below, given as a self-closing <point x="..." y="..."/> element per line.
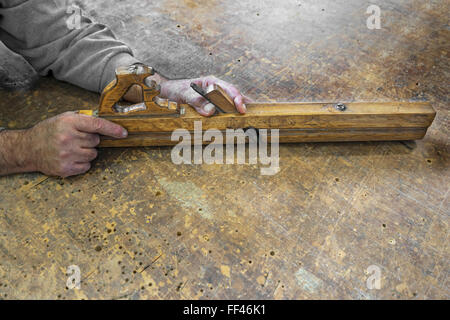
<point x="65" y="145"/>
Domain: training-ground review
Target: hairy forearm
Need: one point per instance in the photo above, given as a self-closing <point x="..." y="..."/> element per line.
<point x="15" y="154"/>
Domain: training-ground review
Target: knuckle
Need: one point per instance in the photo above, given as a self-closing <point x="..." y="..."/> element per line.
<point x="64" y="169"/>
<point x="92" y="140"/>
<point x="63" y="139"/>
<point x="63" y="154"/>
<point x="96" y="139"/>
<point x="97" y="124"/>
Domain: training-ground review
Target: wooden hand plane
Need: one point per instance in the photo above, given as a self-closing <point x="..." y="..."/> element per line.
<point x="152" y="122"/>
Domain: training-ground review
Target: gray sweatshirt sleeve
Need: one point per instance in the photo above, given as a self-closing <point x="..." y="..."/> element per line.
<point x="38" y="30"/>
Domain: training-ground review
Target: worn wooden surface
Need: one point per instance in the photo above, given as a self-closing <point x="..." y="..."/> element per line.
<point x="297" y="122"/>
<point x="139" y="226"/>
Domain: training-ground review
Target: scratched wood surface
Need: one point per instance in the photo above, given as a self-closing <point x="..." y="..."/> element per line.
<point x="139" y="226"/>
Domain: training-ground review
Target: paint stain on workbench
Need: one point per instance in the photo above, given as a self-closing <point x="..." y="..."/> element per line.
<point x="188" y="195"/>
<point x="307" y="280"/>
<point x="225" y="270"/>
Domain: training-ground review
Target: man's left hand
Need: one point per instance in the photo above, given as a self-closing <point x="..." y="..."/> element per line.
<point x="181" y="92"/>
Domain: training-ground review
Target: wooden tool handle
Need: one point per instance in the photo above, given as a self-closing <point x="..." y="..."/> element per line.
<point x="127" y="77"/>
<point x="218" y="97"/>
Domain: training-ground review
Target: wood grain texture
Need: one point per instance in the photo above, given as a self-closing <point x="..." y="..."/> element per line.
<point x="315" y="122"/>
<point x="219" y="97"/>
<point x="139" y="226"/>
<point x="284" y="136"/>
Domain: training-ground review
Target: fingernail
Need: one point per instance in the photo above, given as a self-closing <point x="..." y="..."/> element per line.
<point x="245" y="107"/>
<point x="124" y="133"/>
<point x="209" y="107"/>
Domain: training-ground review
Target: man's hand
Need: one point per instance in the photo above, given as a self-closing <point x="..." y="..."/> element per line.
<point x="60" y="146"/>
<point x="65" y="145"/>
<point x="180" y="91"/>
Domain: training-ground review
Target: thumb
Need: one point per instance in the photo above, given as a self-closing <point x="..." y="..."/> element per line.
<point x="203" y="106"/>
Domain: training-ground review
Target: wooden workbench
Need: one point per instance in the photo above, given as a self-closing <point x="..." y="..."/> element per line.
<point x="139" y="226"/>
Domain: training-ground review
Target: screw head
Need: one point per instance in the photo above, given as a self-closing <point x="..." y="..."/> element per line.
<point x="340" y="106"/>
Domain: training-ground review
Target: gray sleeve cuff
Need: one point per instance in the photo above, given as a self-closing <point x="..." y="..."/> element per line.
<point x="109" y="73"/>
